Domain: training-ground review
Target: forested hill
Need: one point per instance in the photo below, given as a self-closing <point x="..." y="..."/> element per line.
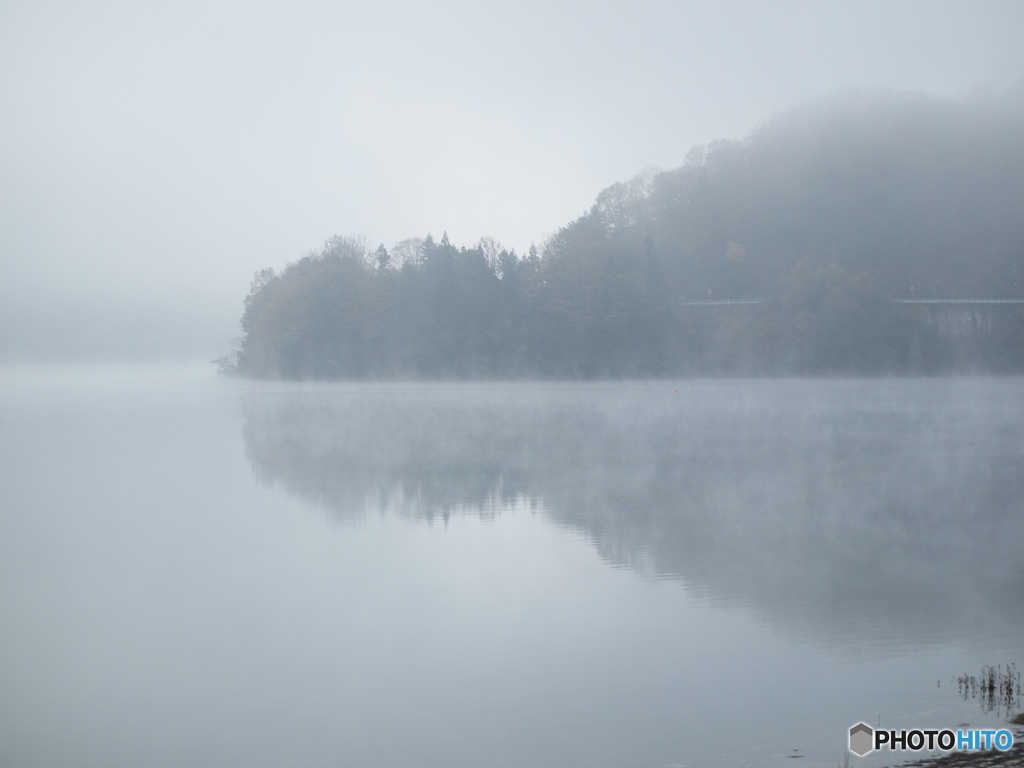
<point x="826" y="213"/>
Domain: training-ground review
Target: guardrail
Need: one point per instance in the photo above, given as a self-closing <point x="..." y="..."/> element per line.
<point x="723" y="302"/>
<point x="958" y="301"/>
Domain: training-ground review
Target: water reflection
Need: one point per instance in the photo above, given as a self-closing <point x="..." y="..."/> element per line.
<point x="886" y="512"/>
<point x="996" y="689"/>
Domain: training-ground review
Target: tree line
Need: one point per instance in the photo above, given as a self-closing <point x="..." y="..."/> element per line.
<point x="825" y="214"/>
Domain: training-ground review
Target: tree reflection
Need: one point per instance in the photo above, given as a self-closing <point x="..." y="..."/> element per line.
<point x="887" y="512"/>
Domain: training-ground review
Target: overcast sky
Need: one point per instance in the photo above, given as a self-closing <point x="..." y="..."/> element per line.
<point x="157" y="150"/>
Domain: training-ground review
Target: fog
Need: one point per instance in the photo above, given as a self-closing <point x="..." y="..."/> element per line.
<point x="217" y="572"/>
<point x="864" y="514"/>
<point x="493" y="479"/>
<point x="153" y="158"/>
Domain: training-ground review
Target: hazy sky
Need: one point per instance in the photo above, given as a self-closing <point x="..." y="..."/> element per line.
<point x="155" y="150"/>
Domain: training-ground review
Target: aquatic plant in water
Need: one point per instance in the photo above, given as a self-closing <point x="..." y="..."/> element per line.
<point x="995" y="689"/>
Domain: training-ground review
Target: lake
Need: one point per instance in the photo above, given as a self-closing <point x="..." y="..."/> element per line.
<point x="209" y="572"/>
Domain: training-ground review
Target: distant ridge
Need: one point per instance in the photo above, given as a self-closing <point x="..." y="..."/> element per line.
<point x="820" y="220"/>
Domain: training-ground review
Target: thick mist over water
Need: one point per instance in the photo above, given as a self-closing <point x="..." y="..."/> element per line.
<point x="221" y="573"/>
<point x="854" y="512"/>
<point x="532" y="523"/>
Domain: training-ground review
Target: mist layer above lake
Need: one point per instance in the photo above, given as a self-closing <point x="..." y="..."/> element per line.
<point x="875" y="511"/>
<point x="709" y="573"/>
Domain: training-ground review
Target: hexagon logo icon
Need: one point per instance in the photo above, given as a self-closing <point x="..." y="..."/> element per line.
<point x="862" y="737"/>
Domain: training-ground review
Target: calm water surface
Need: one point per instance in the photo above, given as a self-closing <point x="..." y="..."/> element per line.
<point x="218" y="573"/>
